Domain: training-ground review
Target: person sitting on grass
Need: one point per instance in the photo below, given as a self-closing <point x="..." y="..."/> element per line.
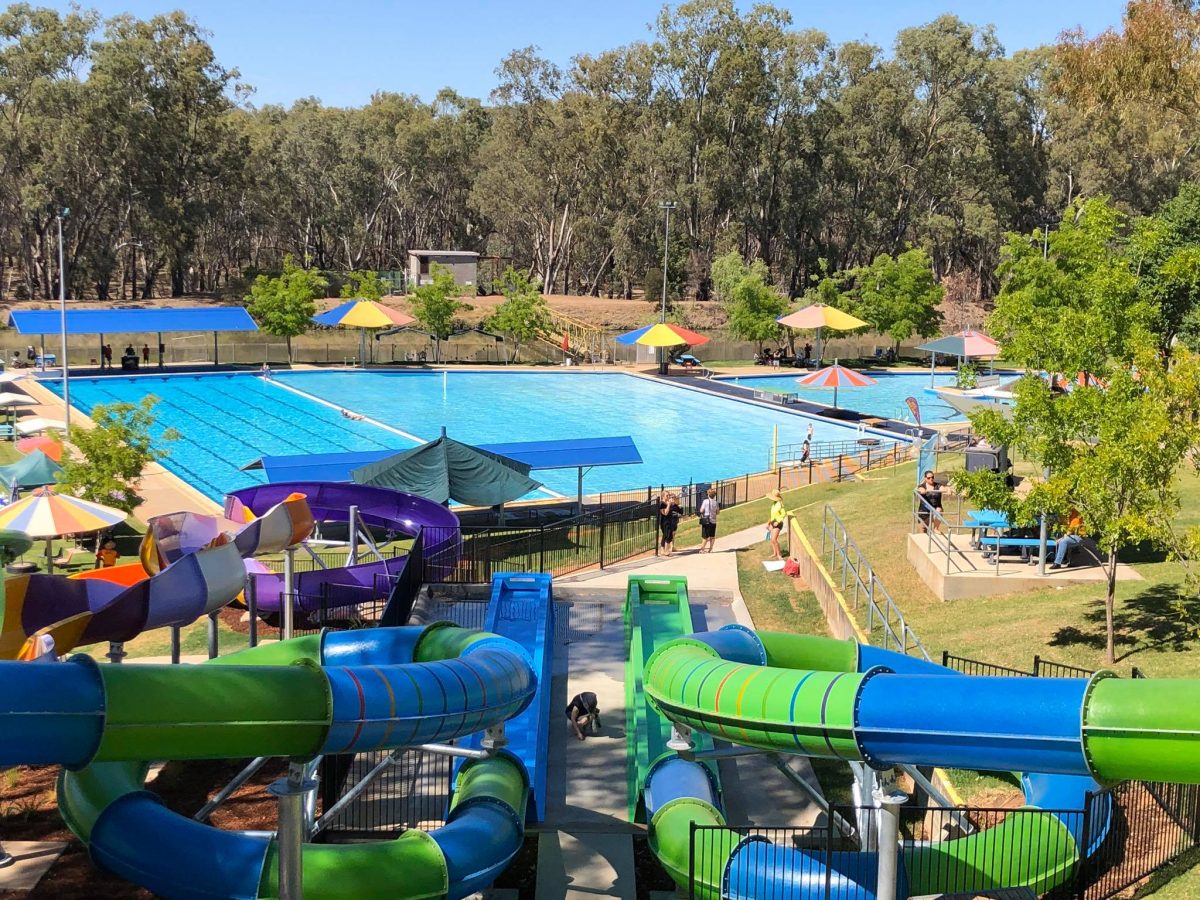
<point x="583" y="712"/>
<point x="1072" y="537"/>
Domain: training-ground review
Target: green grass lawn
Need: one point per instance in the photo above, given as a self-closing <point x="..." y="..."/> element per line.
<point x="1064" y="624"/>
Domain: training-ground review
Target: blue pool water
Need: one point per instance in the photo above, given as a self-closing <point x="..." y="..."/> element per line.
<point x="227" y="421"/>
<point x="883" y="399"/>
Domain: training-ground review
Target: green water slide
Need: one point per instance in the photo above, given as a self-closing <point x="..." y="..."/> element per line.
<point x="657" y="612"/>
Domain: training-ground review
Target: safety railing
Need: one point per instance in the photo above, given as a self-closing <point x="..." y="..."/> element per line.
<point x="862" y="587"/>
<point x="1128" y="832"/>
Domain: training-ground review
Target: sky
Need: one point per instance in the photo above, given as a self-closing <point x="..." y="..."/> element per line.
<point x="344" y="51"/>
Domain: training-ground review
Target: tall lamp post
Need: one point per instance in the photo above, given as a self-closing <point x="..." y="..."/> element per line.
<point x="666" y="206"/>
<point x="61" y="214"/>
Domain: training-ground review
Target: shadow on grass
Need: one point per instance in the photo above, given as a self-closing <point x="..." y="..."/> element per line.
<point x="1149" y="620"/>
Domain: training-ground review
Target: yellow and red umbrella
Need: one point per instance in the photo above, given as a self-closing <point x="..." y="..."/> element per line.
<point x="835" y="376"/>
<point x="662" y="334"/>
<point x="818" y="316"/>
<point x="363" y="315"/>
<point x="52" y="447"/>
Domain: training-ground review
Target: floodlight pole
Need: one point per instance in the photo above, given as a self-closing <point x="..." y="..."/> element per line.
<point x="666" y="206"/>
<point x="60" y="214"/>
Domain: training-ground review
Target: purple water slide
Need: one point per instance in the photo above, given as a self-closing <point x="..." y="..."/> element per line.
<point x="406" y="514"/>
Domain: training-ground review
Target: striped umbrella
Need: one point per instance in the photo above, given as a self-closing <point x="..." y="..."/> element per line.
<point x="364" y="314"/>
<point x="45" y="513"/>
<point x="835" y="376"/>
<point x="662" y="334"/>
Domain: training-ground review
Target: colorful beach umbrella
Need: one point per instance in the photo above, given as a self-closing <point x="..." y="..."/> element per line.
<point x="835" y="376"/>
<point x="363" y="315"/>
<point x="52" y="447"/>
<point x="662" y="334"/>
<point x="45" y="513"/>
<point x="818" y="316"/>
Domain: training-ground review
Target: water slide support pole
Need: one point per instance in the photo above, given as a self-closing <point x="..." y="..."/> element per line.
<point x="213" y="650"/>
<point x="289" y="585"/>
<point x="353" y="560"/>
<point x="226" y="792"/>
<point x="116" y="651"/>
<point x="252" y="608"/>
<point x="889" y="802"/>
<point x="175" y="652"/>
<point x="290" y="792"/>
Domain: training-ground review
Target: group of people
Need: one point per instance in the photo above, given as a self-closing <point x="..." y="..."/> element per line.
<point x="1070" y="527"/>
<point x="669" y="514"/>
<point x="106" y="355"/>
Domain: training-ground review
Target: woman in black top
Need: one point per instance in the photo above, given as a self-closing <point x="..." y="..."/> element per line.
<point x="668" y="520"/>
<point x="931" y="494"/>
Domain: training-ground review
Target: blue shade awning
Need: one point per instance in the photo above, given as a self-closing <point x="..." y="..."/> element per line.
<point x="128" y="321"/>
<point x="572" y="453"/>
<point x="568" y="454"/>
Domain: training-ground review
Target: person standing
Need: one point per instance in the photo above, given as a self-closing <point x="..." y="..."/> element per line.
<point x="709" y="510"/>
<point x="775" y="520"/>
<point x="668" y="520"/>
<point x="808" y="434"/>
<point x="145" y="354"/>
<point x="106" y="356"/>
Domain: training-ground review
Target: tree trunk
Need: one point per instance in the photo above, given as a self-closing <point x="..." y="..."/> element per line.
<point x="289" y="348"/>
<point x="1110" y="654"/>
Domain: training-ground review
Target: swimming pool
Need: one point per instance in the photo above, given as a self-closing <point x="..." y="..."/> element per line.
<point x="227" y="421"/>
<point x="883" y="399"/>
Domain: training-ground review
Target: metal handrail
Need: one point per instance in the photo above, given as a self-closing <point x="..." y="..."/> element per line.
<point x="882" y="610"/>
<point x="943" y="538"/>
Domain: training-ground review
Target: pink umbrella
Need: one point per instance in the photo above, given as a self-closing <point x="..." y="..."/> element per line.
<point x="835" y="376"/>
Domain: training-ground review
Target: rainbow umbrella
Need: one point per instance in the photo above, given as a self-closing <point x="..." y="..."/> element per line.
<point x="818" y="316"/>
<point x="662" y="334"/>
<point x="835" y="376"/>
<point x="45" y="513"/>
<point x="363" y="315"/>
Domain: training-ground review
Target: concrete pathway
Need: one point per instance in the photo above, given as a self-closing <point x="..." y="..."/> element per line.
<point x="707" y="573"/>
<point x="31" y="861"/>
<point x="584" y="864"/>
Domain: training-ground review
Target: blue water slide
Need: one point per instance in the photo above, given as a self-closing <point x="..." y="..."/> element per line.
<point x="522" y="610"/>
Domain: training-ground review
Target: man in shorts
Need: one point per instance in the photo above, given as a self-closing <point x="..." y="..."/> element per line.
<point x="584" y="712"/>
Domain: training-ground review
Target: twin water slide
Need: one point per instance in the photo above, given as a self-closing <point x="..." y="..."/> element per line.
<point x="119" y="603"/>
<point x="522" y="610"/>
<point x="404" y="514"/>
<point x="825" y="698"/>
<point x="337" y="693"/>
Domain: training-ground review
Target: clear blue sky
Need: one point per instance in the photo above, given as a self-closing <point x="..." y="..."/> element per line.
<point x="345" y="50"/>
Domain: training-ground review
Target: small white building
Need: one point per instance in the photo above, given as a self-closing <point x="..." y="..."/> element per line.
<point x="463" y="265"/>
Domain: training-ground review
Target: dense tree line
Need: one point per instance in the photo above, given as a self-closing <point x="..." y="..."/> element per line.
<point x="775" y="142"/>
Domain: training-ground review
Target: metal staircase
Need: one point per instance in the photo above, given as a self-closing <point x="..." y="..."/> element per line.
<point x="585" y="341"/>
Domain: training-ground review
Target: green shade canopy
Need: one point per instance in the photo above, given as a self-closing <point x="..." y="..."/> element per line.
<point x="446" y="469"/>
<point x="32" y="470"/>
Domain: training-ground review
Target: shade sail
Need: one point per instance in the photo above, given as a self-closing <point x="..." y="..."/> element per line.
<point x="33" y="470"/>
<point x="662" y="334"/>
<point x="363" y="314"/>
<point x="46" y="513"/>
<point x="8" y="398"/>
<point x="966" y="344"/>
<point x="446" y="469"/>
<point x="818" y="315"/>
<point x="125" y="321"/>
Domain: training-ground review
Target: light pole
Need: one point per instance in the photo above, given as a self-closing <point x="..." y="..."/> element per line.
<point x="666" y="206"/>
<point x="61" y="214"/>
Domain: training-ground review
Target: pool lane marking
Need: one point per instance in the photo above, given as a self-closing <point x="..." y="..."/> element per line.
<point x="364" y="418"/>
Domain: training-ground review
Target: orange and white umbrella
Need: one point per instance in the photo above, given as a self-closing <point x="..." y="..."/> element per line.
<point x="52" y="447"/>
<point x="835" y="376"/>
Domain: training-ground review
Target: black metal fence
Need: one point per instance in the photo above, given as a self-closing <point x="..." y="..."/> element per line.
<point x="472" y="554"/>
<point x="1040" y="668"/>
<point x="1128" y="833"/>
<point x="410" y="792"/>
